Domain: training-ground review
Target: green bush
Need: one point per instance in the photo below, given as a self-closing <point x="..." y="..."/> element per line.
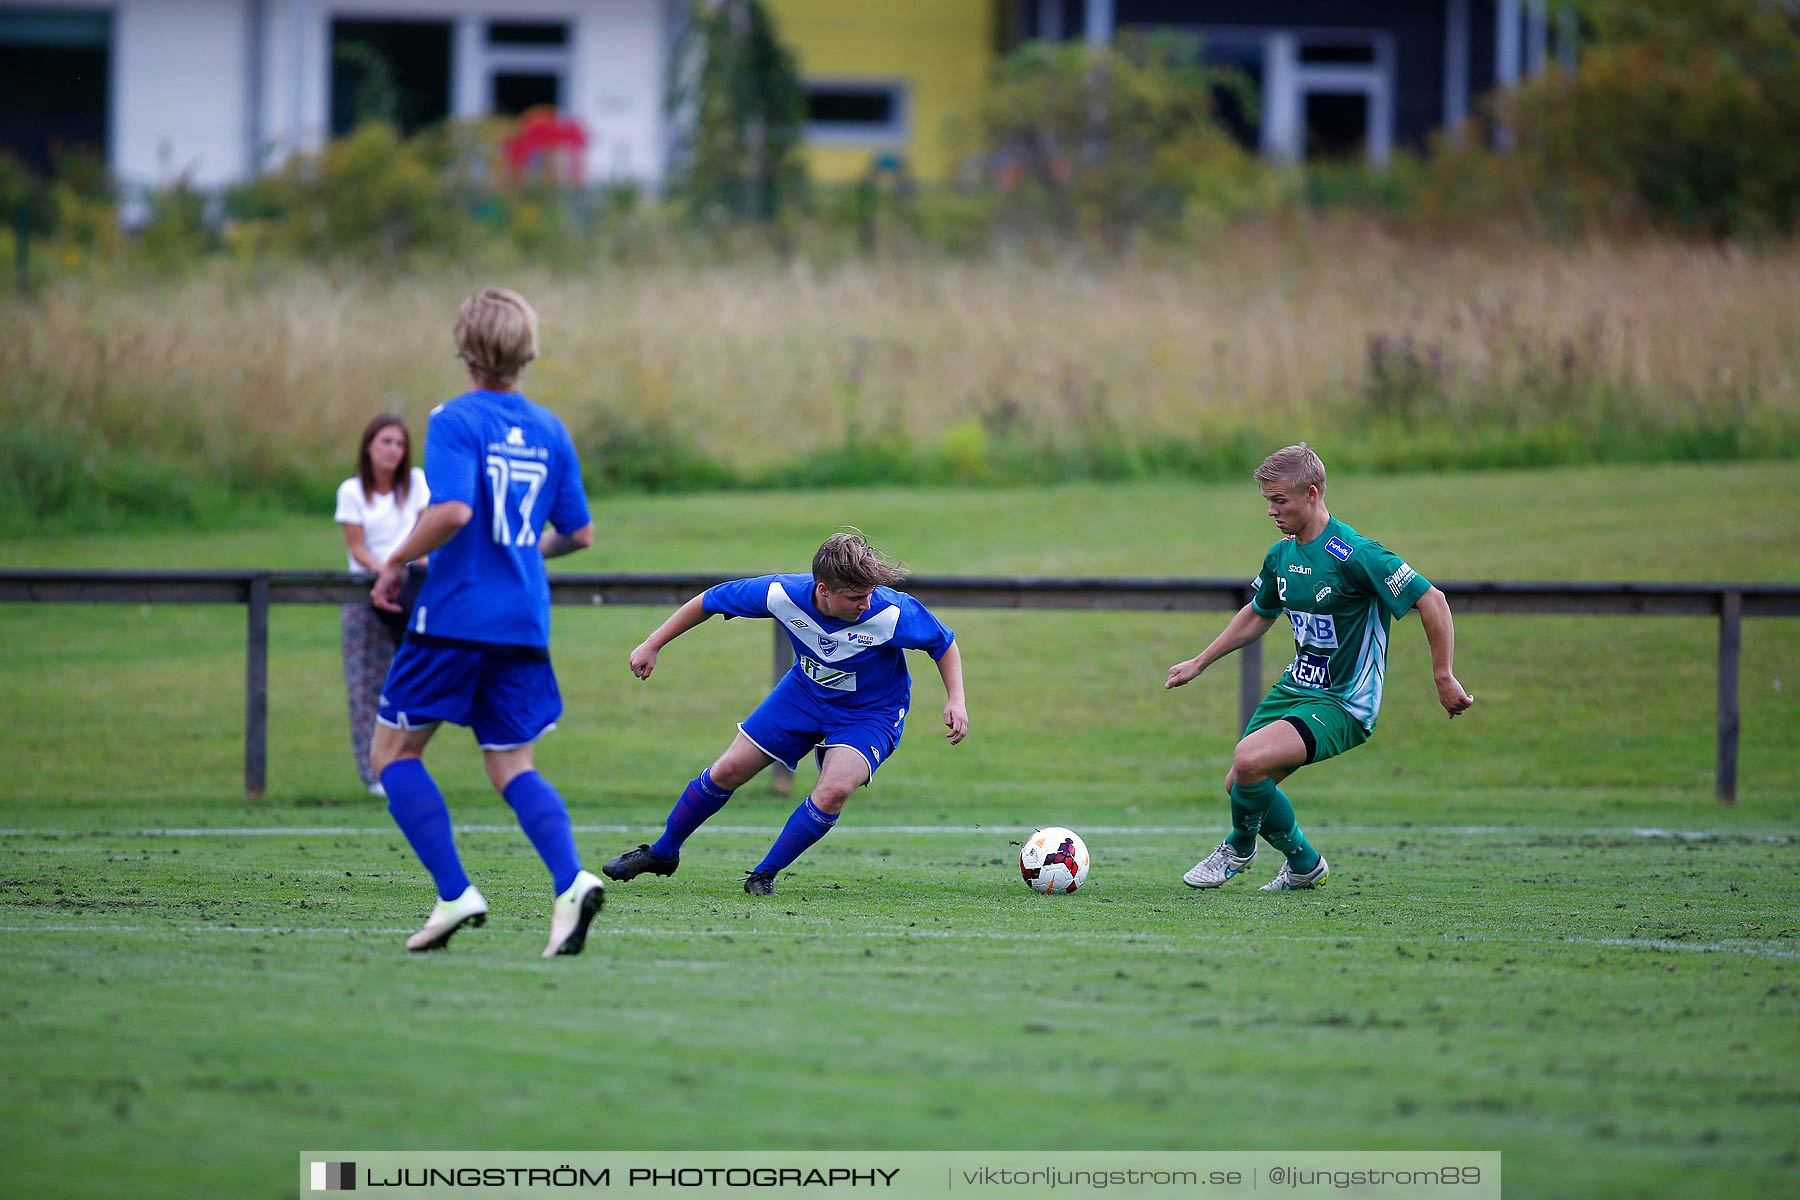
<point x="370" y="197"/>
<point x="1681" y="115"/>
<point x="1109" y="143"/>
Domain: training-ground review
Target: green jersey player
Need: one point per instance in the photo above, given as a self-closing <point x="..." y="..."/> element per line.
<point x="1340" y="591"/>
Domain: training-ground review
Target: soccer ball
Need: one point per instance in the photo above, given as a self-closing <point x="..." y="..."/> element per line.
<point x="1054" y="861"/>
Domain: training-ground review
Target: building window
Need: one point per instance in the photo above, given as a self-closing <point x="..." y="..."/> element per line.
<point x="856" y="111"/>
<point x="1337" y="126"/>
<point x="54" y="70"/>
<point x="1337" y="52"/>
<point x="517" y="91"/>
<point x="527" y="64"/>
<point x="528" y="33"/>
<point x="1237" y="100"/>
<point x="393" y="71"/>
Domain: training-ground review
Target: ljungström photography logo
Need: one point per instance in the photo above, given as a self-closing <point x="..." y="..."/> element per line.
<point x="334" y="1177"/>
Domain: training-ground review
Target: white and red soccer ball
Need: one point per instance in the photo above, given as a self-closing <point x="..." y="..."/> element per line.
<point x="1054" y="861"/>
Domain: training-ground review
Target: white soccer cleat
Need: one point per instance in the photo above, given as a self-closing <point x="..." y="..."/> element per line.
<point x="470" y="909"/>
<point x="1218" y="867"/>
<point x="1289" y="880"/>
<point x="570" y="915"/>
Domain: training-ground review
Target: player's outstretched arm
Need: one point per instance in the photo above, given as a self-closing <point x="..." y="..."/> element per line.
<point x="1440" y="633"/>
<point x="643" y="659"/>
<point x="436" y="525"/>
<point x="1240" y="631"/>
<point x="956" y="712"/>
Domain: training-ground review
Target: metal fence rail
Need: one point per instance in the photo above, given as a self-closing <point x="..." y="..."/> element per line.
<point x="257" y="590"/>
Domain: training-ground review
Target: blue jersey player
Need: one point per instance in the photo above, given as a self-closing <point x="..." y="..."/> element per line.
<point x="845" y="699"/>
<point x="476" y="652"/>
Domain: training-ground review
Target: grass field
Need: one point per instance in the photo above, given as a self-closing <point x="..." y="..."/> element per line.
<point x="1541" y="934"/>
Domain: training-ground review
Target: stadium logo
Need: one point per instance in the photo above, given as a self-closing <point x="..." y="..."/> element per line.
<point x="1297" y="569"/>
<point x="334" y="1177"/>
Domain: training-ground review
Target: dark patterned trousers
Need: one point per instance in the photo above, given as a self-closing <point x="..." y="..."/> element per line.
<point x="368" y="651"/>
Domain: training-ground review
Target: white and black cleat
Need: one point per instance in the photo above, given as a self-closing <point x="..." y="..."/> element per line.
<point x="573" y="911"/>
<point x="447" y="917"/>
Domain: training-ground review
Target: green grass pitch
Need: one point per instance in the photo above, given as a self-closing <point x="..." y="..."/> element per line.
<point x="1541" y="935"/>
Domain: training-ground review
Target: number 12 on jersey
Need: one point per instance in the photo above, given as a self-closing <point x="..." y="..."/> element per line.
<point x="511" y="477"/>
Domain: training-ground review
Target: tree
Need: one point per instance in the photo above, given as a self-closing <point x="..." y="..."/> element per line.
<point x="737" y="103"/>
<point x="1109" y="140"/>
<point x="1685" y="114"/>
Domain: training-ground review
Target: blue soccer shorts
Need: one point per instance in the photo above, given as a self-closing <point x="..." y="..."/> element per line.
<point x="793" y="720"/>
<point x="506" y="694"/>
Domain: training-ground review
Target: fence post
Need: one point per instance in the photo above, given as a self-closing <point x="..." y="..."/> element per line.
<point x="1731" y="622"/>
<point x="1250" y="688"/>
<point x="256" y="689"/>
<point x="781" y="780"/>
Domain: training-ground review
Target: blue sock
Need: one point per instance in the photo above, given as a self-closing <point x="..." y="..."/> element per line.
<point x="1249" y="806"/>
<point x="545" y="820"/>
<point x="699" y="800"/>
<point x="805" y="825"/>
<point x="418" y="808"/>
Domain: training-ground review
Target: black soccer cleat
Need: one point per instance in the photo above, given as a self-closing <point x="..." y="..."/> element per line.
<point x="760" y="883"/>
<point x="633" y="863"/>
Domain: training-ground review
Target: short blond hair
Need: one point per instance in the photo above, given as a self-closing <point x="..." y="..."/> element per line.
<point x="846" y="560"/>
<point x="1296" y="465"/>
<point x="496" y="333"/>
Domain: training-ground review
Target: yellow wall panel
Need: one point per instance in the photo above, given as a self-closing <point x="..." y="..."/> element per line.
<point x="941" y="49"/>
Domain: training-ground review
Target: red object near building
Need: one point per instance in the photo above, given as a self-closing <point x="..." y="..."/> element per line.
<point x="548" y="145"/>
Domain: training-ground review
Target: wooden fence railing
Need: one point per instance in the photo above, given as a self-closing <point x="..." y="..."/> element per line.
<point x="257" y="590"/>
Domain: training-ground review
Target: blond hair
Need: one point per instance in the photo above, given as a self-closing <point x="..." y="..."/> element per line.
<point x="496" y="334"/>
<point x="846" y="560"/>
<point x="1296" y="465"/>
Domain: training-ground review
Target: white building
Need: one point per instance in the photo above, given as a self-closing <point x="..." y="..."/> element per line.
<point x="217" y="90"/>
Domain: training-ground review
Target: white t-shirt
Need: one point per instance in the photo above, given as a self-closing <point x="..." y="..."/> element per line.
<point x="385" y="523"/>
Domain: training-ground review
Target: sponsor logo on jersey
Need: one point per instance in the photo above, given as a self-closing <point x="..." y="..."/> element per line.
<point x="1338" y="548"/>
<point x="517" y="448"/>
<point x="827" y="676"/>
<point x="1311" y="670"/>
<point x="1314" y="629"/>
<point x="1322" y="593"/>
<point x="1396" y="583"/>
<point x="797" y="623"/>
<point x="1297" y="569"/>
<point x="861" y="639"/>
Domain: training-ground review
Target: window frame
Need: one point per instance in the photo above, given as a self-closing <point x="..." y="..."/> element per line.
<point x="896" y="132"/>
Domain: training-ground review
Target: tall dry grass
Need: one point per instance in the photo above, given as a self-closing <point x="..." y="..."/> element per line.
<point x="1333" y="331"/>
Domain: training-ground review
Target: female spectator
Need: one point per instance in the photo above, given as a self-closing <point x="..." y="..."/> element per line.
<point x="377" y="508"/>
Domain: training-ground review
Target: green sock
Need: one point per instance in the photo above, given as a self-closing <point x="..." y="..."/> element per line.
<point x="1282" y="831"/>
<point x="1249" y="803"/>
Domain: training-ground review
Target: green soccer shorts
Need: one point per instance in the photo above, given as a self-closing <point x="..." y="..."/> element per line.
<point x="1327" y="730"/>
